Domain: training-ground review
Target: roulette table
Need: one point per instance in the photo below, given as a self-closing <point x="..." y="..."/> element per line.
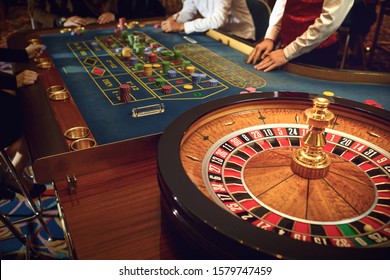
<point x="101" y="151"/>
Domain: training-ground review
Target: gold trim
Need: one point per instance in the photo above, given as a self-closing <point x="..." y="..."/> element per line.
<point x="77" y="132"/>
<point x="83" y="143"/>
<point x="59" y="96"/>
<point x="56" y="89"/>
<point x="45" y="65"/>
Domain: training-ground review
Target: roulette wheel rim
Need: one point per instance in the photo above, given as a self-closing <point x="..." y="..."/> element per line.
<point x="214" y="230"/>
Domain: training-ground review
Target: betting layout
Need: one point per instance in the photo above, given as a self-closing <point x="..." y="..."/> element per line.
<point x="152" y="71"/>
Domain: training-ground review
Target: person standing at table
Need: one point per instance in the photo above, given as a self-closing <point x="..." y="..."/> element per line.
<point x="67" y="13"/>
<point x="134" y="9"/>
<point x="11" y="128"/>
<point x="230" y="16"/>
<point x="307" y="29"/>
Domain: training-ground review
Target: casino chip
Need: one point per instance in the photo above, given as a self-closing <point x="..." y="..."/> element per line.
<point x="373" y="103"/>
<point x="328" y="93"/>
<point x="213" y="83"/>
<point x="148" y="69"/>
<point x="167" y="89"/>
<point x="160" y="82"/>
<point x="124" y="93"/>
<point x="139" y="66"/>
<point x="250" y="89"/>
<point x="122" y="23"/>
<point x="133" y="60"/>
<point x="172" y="73"/>
<point x="190" y="69"/>
<point x="152" y="58"/>
<point x="195" y="78"/>
<point x="166" y="66"/>
<point x="126" y="52"/>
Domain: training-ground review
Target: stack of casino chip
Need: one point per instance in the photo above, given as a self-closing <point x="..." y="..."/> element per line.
<point x="122" y="23"/>
<point x="213" y="82"/>
<point x="124" y="34"/>
<point x="138" y="48"/>
<point x="177" y="55"/>
<point x="131" y="39"/>
<point x="166" y="55"/>
<point x="124" y="93"/>
<point x="148" y="69"/>
<point x="190" y="69"/>
<point x="133" y="61"/>
<point x="172" y="73"/>
<point x="117" y="32"/>
<point x="185" y="64"/>
<point x="139" y="66"/>
<point x="160" y="82"/>
<point x="126" y="53"/>
<point x="152" y="58"/>
<point x="202" y="76"/>
<point x="166" y="65"/>
<point x="195" y="78"/>
<point x="167" y="89"/>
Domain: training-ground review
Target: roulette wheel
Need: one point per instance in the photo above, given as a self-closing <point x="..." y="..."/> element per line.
<point x="231" y="185"/>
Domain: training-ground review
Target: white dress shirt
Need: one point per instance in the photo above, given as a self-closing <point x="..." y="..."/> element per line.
<point x="231" y="16"/>
<point x="332" y="16"/>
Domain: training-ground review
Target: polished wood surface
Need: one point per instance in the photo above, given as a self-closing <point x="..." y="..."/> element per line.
<point x="116" y="214"/>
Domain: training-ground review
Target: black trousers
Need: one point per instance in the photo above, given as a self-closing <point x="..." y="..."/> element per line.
<point x="11" y="120"/>
<point x="323" y="57"/>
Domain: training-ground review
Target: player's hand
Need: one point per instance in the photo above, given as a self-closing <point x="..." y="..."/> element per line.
<point x="261" y="50"/>
<point x="75" y="21"/>
<point x="106" y="18"/>
<point x="272" y="61"/>
<point x="34" y="50"/>
<point x="25" y="78"/>
<point x="171" y="25"/>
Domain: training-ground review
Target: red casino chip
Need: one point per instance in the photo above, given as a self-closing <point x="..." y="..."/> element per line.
<point x="124" y="93"/>
<point x="373" y="103"/>
<point x="167" y="89"/>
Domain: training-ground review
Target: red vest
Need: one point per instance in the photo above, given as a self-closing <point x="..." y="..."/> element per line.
<point x="298" y="16"/>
